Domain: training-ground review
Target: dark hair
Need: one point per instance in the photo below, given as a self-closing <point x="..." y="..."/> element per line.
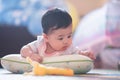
<point x="54" y="19"/>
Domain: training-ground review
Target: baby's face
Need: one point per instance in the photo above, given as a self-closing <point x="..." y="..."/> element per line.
<point x="60" y="39"/>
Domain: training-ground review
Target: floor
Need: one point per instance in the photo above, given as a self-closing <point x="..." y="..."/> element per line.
<point x="92" y="75"/>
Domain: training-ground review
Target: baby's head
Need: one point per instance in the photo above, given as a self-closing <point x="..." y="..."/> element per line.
<point x="57" y="28"/>
<point x="55" y="19"/>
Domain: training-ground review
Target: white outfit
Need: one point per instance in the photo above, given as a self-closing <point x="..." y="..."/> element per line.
<point x="39" y="46"/>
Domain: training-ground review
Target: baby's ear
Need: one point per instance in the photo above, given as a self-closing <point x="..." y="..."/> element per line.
<point x="45" y="37"/>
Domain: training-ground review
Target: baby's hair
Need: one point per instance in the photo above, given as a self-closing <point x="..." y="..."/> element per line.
<point x="55" y="19"/>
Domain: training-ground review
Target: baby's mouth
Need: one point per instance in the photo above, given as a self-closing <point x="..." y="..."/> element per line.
<point x="65" y="47"/>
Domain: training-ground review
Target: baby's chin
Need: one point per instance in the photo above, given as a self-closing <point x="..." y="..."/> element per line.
<point x="64" y="48"/>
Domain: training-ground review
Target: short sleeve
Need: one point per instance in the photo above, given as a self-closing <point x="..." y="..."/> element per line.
<point x="33" y="46"/>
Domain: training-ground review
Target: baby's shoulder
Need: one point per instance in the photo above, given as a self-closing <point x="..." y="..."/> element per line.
<point x="36" y="42"/>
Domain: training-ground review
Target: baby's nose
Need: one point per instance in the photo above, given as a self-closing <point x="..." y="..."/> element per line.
<point x="65" y="42"/>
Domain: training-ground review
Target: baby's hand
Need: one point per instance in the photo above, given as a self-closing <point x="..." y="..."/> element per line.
<point x="36" y="57"/>
<point x="27" y="52"/>
<point x="88" y="53"/>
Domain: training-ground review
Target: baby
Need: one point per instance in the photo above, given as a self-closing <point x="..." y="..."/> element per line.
<point x="56" y="39"/>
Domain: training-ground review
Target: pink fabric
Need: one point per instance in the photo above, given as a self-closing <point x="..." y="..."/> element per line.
<point x="113" y="23"/>
<point x="39" y="47"/>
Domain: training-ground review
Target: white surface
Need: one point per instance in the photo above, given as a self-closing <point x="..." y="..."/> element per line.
<point x="92" y="75"/>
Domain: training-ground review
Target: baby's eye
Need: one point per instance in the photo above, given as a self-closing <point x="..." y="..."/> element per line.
<point x="60" y="38"/>
<point x="69" y="36"/>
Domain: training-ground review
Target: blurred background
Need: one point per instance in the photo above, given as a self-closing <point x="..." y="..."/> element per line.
<point x="96" y="26"/>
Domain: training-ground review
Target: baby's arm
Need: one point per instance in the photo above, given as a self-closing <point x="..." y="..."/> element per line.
<point x="87" y="53"/>
<point x="26" y="51"/>
<point x="83" y="52"/>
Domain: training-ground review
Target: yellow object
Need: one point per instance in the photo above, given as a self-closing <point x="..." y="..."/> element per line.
<point x="74" y="14"/>
<point x="60" y="71"/>
<point x="39" y="69"/>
